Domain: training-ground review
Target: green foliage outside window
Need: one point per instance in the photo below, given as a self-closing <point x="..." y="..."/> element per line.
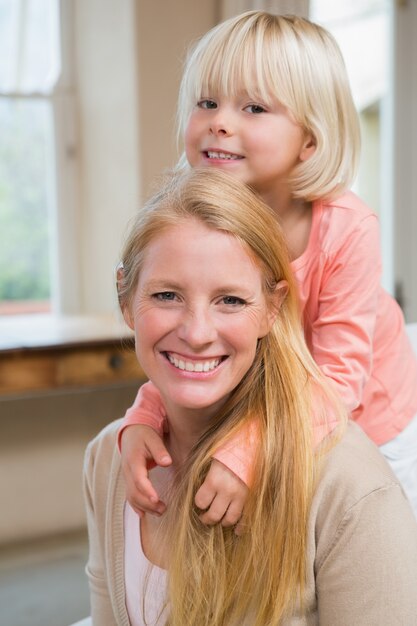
<point x="24" y="236"/>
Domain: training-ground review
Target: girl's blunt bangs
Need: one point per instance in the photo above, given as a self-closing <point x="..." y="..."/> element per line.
<point x="230" y="60"/>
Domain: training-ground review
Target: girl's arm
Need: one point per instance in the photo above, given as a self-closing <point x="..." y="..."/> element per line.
<point x="147" y="409"/>
<point x="223" y="493"/>
<point x="341" y="333"/>
<point x="141" y="447"/>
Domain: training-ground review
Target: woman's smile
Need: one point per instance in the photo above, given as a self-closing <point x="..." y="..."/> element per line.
<point x="187" y="364"/>
<point x="197" y="331"/>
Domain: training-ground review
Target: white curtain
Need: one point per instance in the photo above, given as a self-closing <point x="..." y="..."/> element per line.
<point x="228" y="8"/>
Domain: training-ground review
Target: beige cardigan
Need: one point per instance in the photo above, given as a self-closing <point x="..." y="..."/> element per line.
<point x="362" y="549"/>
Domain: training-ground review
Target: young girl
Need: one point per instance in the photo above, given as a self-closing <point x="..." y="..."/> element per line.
<point x="266" y="98"/>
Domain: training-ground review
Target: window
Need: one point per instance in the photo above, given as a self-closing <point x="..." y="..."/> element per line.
<point x="30" y="63"/>
<point x="363" y="30"/>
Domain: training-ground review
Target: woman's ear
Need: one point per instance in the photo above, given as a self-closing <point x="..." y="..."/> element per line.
<point x="123" y="306"/>
<point x="308" y="147"/>
<point x="127" y="316"/>
<point x="276" y="300"/>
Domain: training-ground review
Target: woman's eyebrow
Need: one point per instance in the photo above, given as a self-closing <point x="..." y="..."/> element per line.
<point x="161" y="283"/>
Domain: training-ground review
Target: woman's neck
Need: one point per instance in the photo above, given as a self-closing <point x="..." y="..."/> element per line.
<point x="185" y="427"/>
<point x="179" y="442"/>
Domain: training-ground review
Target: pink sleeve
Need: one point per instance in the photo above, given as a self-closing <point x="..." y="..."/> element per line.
<point x="342" y="333"/>
<point x="238" y="453"/>
<point x="147" y="410"/>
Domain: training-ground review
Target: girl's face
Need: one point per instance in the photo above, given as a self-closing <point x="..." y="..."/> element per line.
<point x="198" y="311"/>
<point x="260" y="145"/>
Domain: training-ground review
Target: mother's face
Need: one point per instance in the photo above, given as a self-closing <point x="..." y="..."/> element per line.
<point x="198" y="312"/>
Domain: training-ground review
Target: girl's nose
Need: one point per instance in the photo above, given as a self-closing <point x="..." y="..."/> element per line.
<point x="221" y="124"/>
<point x="197" y="329"/>
<point x="219" y="130"/>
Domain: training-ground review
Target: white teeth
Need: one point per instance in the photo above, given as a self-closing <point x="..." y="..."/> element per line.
<point x="188" y="366"/>
<point x="222" y="155"/>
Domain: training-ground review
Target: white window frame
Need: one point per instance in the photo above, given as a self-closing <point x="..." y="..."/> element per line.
<point x="65" y="240"/>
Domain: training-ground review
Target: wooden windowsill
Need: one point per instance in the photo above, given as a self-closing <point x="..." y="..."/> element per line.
<point x="19" y="332"/>
<point x="41" y="352"/>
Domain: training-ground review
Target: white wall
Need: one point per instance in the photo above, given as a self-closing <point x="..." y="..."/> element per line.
<point x="42" y="442"/>
<point x="128" y="58"/>
<point x="106" y="71"/>
<point x="164" y="33"/>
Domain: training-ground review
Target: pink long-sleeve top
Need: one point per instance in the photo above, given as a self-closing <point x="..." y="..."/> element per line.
<point x="353" y="327"/>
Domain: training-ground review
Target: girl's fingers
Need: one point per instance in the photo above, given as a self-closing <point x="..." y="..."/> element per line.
<point x="216" y="511"/>
<point x="157" y="450"/>
<point x="233" y="514"/>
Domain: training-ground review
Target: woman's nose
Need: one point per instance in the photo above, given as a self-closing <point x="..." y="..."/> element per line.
<point x="197" y="329"/>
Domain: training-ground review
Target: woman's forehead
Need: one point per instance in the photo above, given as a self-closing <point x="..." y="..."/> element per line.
<point x="191" y="248"/>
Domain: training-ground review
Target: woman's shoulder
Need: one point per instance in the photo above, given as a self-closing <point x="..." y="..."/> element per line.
<point x="107" y="436"/>
<point x="354" y="476"/>
<point x="356" y="456"/>
<point x="362" y="539"/>
<point x="103" y="448"/>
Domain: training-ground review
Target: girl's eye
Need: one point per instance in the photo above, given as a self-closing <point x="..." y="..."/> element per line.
<point x="207" y="104"/>
<point x="255" y="108"/>
<point x="164" y="296"/>
<point x="232" y="301"/>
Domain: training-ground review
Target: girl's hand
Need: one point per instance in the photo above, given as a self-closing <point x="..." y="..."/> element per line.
<point x="221" y="496"/>
<point x="141" y="448"/>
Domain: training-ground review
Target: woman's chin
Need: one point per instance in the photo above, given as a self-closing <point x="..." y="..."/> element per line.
<point x="196" y="402"/>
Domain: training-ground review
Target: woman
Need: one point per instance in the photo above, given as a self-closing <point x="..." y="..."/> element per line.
<point x="328" y="536"/>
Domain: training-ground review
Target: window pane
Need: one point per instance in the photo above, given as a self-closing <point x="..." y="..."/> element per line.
<point x="24" y="216"/>
<point x="7" y="38"/>
<point x="29" y="45"/>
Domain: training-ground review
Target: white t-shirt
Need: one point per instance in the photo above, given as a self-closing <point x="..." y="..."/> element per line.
<point x="145" y="583"/>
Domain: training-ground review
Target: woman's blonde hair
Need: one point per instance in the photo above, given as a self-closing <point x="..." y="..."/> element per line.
<point x="215" y="577"/>
<point x="295" y="62"/>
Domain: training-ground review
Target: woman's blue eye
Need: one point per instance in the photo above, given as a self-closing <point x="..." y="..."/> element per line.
<point x="233" y="300"/>
<point x="207" y="104"/>
<point x="255" y="108"/>
<point x="165" y="296"/>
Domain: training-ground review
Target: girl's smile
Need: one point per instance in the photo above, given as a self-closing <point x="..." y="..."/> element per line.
<point x="259" y="144"/>
<point x="212" y="154"/>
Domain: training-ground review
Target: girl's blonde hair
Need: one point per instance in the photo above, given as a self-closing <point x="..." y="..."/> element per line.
<point x="295" y="62"/>
<point x="215" y="577"/>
